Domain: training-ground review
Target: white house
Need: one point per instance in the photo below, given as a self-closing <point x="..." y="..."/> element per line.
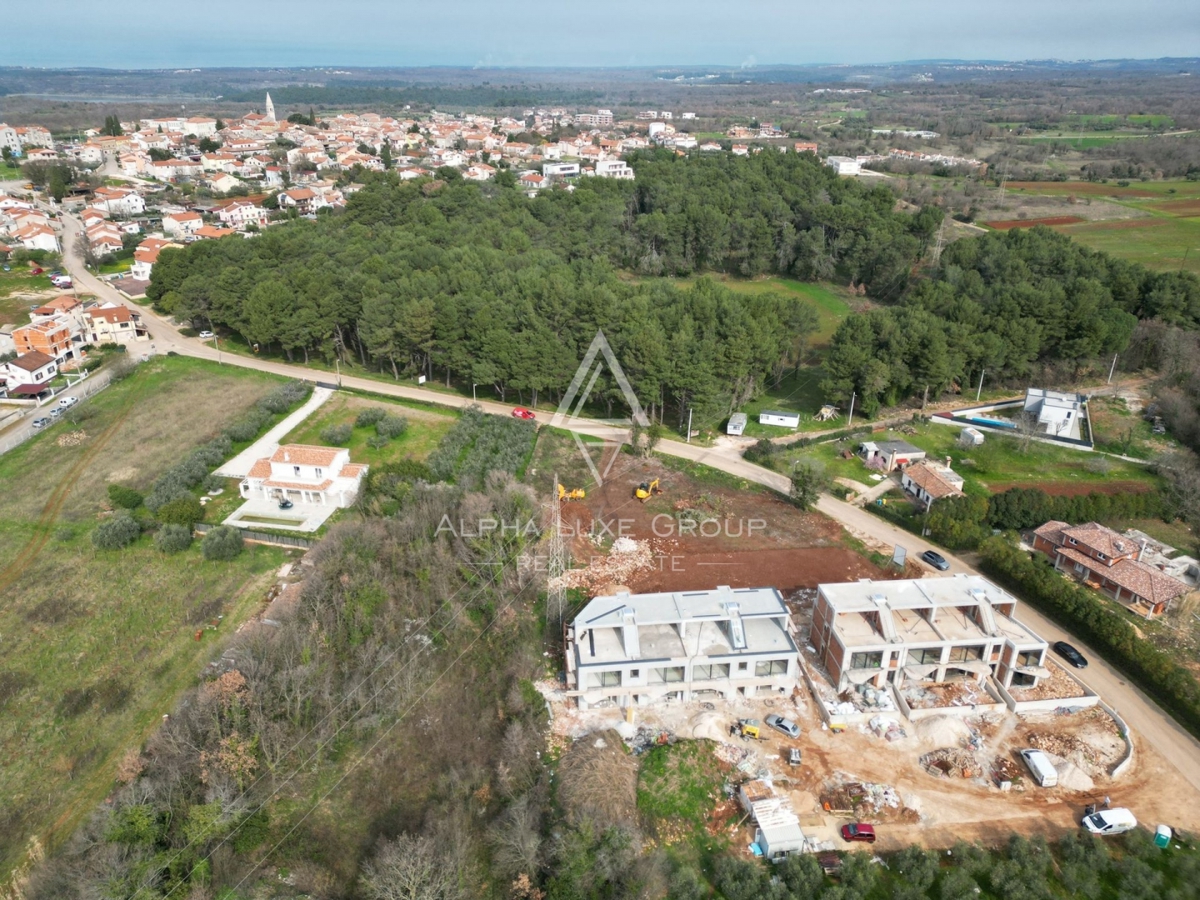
<point x="638" y="649"/>
<point x="182" y="224"/>
<point x="306" y="474"/>
<point x="844" y="165"/>
<point x="929" y="481"/>
<point x="38" y="237"/>
<point x="119" y="201"/>
<point x="1058" y="413"/>
<point x="35" y="368"/>
<point x="613" y="168"/>
<point x="241" y="213"/>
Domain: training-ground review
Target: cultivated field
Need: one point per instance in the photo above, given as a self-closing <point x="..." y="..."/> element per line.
<point x="97" y="645"/>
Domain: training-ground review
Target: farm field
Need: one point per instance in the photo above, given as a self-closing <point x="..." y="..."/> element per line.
<point x="1157" y="242"/>
<point x="425" y="429"/>
<point x="99" y="644"/>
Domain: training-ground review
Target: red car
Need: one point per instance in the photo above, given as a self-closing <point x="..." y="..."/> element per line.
<point x="36" y="271"/>
<point x="858" y="831"/>
<point x="522" y="413"/>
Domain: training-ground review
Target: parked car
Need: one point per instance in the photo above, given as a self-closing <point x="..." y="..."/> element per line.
<point x="1110" y="821"/>
<point x="36" y="270"/>
<point x="56" y="411"/>
<point x="1040" y="767"/>
<point x="205" y="335"/>
<point x="859" y="831"/>
<point x="67" y="402"/>
<point x="794" y="756"/>
<point x="787" y="726"/>
<point x="522" y="413"/>
<point x="285" y="503"/>
<point x="1070" y="654"/>
<point x="41" y="422"/>
<point x="936" y="560"/>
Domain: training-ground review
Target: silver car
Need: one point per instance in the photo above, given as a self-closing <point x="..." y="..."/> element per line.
<point x="787" y="726"/>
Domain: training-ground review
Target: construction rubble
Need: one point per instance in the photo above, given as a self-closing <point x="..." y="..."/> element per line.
<point x="953" y="762"/>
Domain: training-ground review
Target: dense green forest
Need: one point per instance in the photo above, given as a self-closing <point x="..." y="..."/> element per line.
<point x="1011" y="303"/>
<point x="480" y="284"/>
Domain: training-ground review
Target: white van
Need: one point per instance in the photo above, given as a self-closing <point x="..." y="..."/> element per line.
<point x="1040" y="767"/>
<point x="1110" y="821"/>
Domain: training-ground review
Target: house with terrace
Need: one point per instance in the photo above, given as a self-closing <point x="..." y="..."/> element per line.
<point x="961" y="627"/>
<point x="302" y="473"/>
<point x="637" y="649"/>
<point x="1112" y="563"/>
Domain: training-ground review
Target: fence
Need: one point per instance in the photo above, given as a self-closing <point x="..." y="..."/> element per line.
<point x="82" y="390"/>
<point x="263" y="537"/>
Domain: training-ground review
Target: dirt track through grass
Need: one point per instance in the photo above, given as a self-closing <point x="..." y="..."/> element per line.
<point x="41" y="528"/>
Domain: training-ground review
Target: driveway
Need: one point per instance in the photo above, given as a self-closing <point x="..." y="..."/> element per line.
<point x="240" y="465"/>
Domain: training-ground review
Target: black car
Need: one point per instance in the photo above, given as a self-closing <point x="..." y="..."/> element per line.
<point x="285" y="503"/>
<point x="1071" y="655"/>
<point x="936" y="560"/>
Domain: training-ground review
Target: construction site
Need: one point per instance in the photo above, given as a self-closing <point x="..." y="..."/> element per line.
<point x="946" y="767"/>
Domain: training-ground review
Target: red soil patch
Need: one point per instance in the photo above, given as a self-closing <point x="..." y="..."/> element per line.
<point x="787" y="570"/>
<point x="1006" y="224"/>
<point x="1075" y="490"/>
<point x="1181" y="208"/>
<point x="1086" y="188"/>
<point x="1123" y="224"/>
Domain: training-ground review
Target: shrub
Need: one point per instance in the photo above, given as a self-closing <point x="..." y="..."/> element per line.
<point x="119" y="531"/>
<point x="248" y="426"/>
<point x="391" y="426"/>
<point x="808" y="480"/>
<point x="336" y="434"/>
<point x="213" y="483"/>
<point x="222" y="543"/>
<point x="184" y="510"/>
<point x="124" y="497"/>
<point x="377" y="442"/>
<point x="284" y="397"/>
<point x="369" y="417"/>
<point x="173" y="538"/>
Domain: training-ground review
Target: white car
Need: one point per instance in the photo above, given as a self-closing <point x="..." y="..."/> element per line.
<point x="67" y="402"/>
<point x="1110" y="821"/>
<point x="205" y="335"/>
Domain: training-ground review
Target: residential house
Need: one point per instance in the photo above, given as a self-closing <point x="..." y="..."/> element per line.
<point x="118" y="201"/>
<point x="33" y="136"/>
<point x="1112" y="563"/>
<point x="929" y="481"/>
<point x="531" y="181"/>
<point x="303" y="200"/>
<point x="199" y="126"/>
<point x="212" y="233"/>
<point x="146" y="255"/>
<point x="1057" y="413"/>
<point x="805" y="147"/>
<point x="613" y="168"/>
<point x="113" y="323"/>
<point x="241" y="213"/>
<point x="305" y="474"/>
<point x="636" y="649"/>
<point x="174" y="169"/>
<point x="479" y="172"/>
<point x="923" y="629"/>
<point x="38" y="237"/>
<point x="887" y="456"/>
<point x="182" y="224"/>
<point x="30" y="372"/>
<point x="844" y="165"/>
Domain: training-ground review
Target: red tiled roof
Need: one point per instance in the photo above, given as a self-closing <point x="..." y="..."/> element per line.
<point x="1137" y="577"/>
<point x="260" y="469"/>
<point x="305" y="455"/>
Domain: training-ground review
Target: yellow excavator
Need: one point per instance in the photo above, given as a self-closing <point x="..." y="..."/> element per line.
<point x="565" y="495"/>
<point x="646" y="490"/>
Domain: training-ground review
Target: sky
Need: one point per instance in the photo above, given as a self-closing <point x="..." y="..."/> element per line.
<point x="570" y="33"/>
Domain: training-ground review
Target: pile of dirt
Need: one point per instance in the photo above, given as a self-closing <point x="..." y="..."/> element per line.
<point x="943" y="731"/>
<point x="71" y="439"/>
<point x="598" y="781"/>
<point x="626" y="557"/>
<point x="1070" y="776"/>
<point x="952" y="761"/>
<point x="1064" y="746"/>
<point x="863" y="800"/>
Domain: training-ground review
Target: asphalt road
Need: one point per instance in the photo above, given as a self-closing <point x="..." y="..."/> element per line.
<point x="1141" y="713"/>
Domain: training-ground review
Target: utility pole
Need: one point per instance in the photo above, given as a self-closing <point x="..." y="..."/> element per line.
<point x="337" y="362"/>
<point x="473" y="400"/>
<point x="937" y="247"/>
<point x="979" y="390"/>
<point x="1112" y="368"/>
<point x="689" y="434"/>
<point x="217" y="344"/>
<point x="850" y="419"/>
<point x="556" y="563"/>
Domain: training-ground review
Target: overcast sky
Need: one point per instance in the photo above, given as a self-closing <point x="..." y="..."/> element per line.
<point x="154" y="34"/>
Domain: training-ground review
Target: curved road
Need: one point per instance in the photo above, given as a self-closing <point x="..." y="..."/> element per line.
<point x="1141" y="713"/>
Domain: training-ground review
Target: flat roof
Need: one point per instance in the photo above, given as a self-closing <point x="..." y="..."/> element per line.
<point x="608" y="611"/>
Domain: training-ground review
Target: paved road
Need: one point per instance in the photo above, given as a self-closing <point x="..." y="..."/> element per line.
<point x="1140" y="712"/>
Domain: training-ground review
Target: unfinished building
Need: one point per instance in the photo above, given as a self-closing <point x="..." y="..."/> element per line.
<point x="930" y="629"/>
<point x="636" y="649"/>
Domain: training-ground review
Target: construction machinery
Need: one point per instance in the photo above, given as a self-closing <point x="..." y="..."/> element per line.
<point x="565" y="495"/>
<point x="647" y="489"/>
<point x="748" y="730"/>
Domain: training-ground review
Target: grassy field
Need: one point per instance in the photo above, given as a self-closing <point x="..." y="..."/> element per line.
<point x="425" y="429"/>
<point x="1158" y="243"/>
<point x="14" y="309"/>
<point x="99" y="644"/>
<point x="678" y="786"/>
<point x="996" y="465"/>
<point x="9" y="172"/>
<point x="831" y="302"/>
